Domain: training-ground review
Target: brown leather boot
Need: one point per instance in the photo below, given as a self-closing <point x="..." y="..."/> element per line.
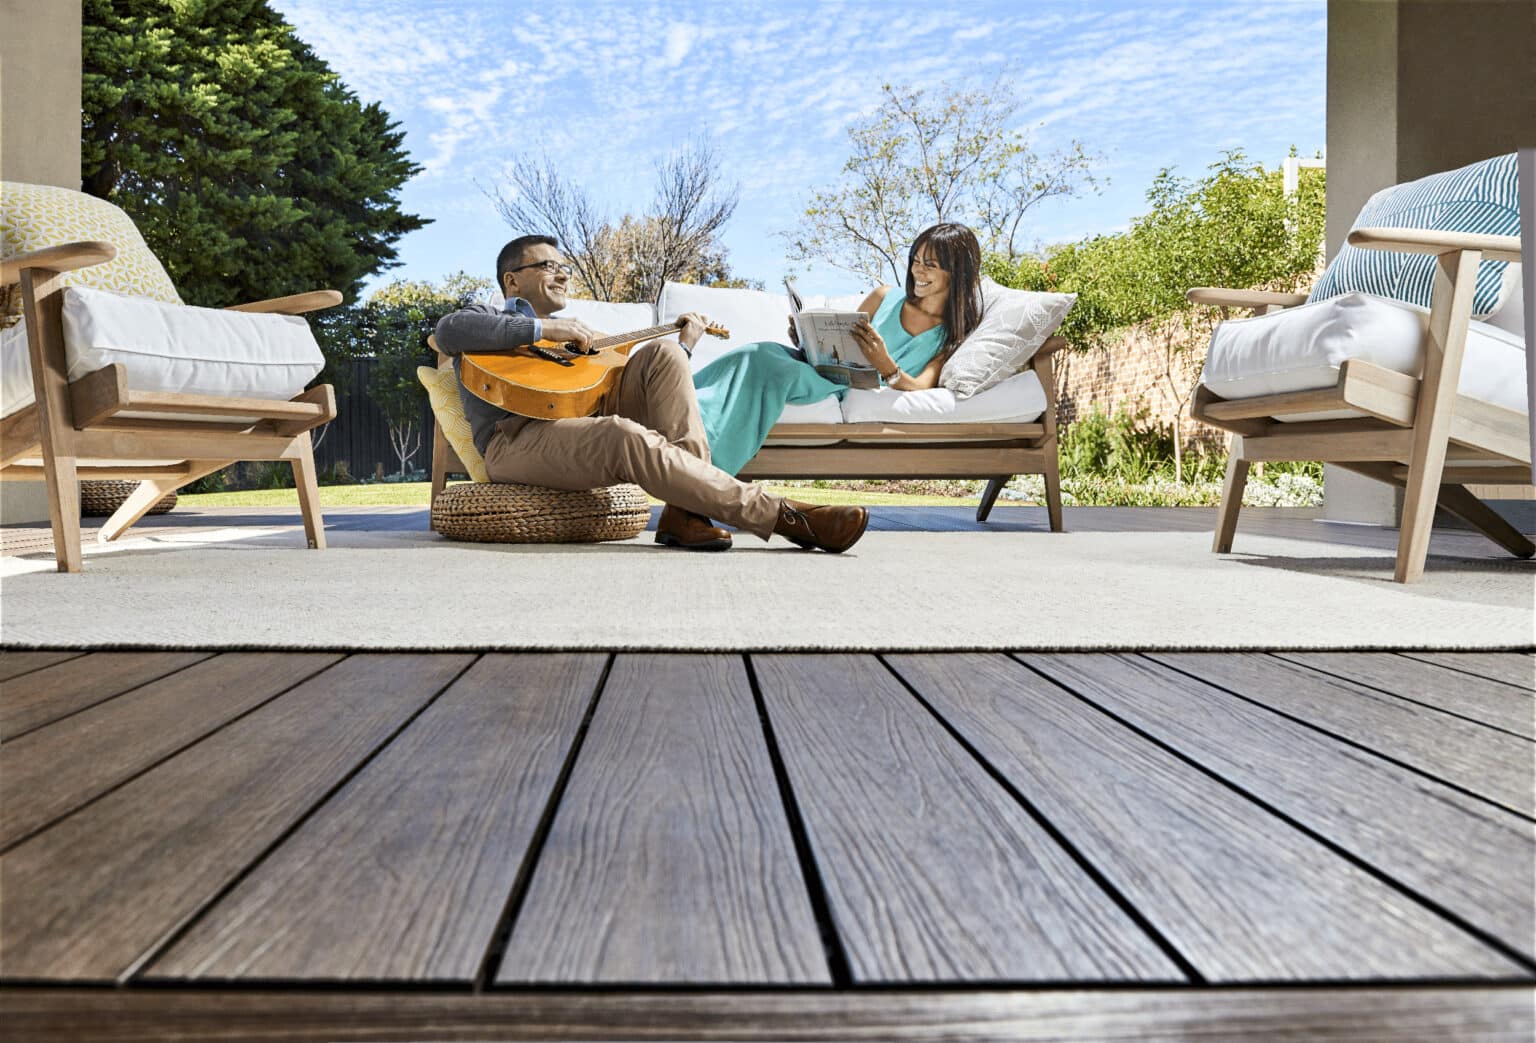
<point x="679" y="528"/>
<point x="829" y="527"/>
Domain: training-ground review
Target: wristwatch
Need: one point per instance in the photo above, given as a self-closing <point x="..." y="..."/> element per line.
<point x="894" y="374"/>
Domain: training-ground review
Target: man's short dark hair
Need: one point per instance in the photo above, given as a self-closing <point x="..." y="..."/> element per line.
<point x="512" y="255"/>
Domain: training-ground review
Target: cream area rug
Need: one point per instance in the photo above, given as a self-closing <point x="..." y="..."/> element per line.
<point x="255" y="588"/>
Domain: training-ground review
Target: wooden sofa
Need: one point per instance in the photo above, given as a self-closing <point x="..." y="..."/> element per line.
<point x="994" y="451"/>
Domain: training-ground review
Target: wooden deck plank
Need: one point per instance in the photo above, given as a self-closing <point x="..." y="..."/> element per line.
<point x="1491" y="702"/>
<point x="1466" y="855"/>
<point x="13" y="664"/>
<point x="1243" y="896"/>
<point x="670" y="859"/>
<point x="34" y="699"/>
<point x="404" y="873"/>
<point x="1494" y="765"/>
<point x="1512" y="668"/>
<point x="1315" y="1015"/>
<point x="92" y="896"/>
<point x="58" y="767"/>
<point x="933" y="872"/>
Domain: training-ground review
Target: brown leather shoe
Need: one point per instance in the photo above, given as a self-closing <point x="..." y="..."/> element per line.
<point x="832" y="528"/>
<point x="679" y="528"/>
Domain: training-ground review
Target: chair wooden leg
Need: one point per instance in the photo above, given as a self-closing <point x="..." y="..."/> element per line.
<point x="63" y="485"/>
<point x="1476" y="513"/>
<point x="1052" y="473"/>
<point x="1231" y="498"/>
<point x="989" y="496"/>
<point x="149" y="493"/>
<point x="306" y="481"/>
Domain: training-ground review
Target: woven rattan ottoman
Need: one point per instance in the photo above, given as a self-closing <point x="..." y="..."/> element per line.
<point x="504" y="512"/>
<point x="100" y="496"/>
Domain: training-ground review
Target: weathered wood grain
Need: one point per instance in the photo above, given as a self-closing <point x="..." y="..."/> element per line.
<point x="1316" y="1015"/>
<point x="13" y="664"/>
<point x="1465" y="854"/>
<point x="93" y="895"/>
<point x="933" y="872"/>
<point x="34" y="699"/>
<point x="1465" y="695"/>
<point x="1499" y="767"/>
<point x="670" y="858"/>
<point x="403" y="874"/>
<point x="58" y="767"/>
<point x="1512" y="668"/>
<point x="1239" y="893"/>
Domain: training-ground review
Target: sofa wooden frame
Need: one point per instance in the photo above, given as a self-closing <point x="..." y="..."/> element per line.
<point x="1405" y="429"/>
<point x="996" y="452"/>
<point x="77" y="430"/>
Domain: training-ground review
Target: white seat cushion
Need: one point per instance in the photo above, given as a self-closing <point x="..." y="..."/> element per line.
<point x="1301" y="349"/>
<point x="173" y="347"/>
<point x="1019" y="399"/>
<point x="824" y="411"/>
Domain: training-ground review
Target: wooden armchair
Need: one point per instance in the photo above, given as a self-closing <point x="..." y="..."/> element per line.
<point x="76" y="429"/>
<point x="1413" y="432"/>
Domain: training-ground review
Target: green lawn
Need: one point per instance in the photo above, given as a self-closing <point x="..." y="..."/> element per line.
<point x="415" y="494"/>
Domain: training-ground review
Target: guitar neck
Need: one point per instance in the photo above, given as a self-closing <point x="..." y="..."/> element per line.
<point x="618" y="340"/>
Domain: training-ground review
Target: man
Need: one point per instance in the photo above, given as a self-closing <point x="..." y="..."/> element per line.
<point x="646" y="431"/>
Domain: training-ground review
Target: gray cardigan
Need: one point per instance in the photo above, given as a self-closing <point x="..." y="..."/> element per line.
<point x="481" y="329"/>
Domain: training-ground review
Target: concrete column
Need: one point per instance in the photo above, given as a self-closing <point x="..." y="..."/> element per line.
<point x="1416" y="87"/>
<point x="39" y="139"/>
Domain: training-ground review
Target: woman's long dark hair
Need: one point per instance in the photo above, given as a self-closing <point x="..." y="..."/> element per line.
<point x="956" y="250"/>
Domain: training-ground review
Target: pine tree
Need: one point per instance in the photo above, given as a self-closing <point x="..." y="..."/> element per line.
<point x="250" y="168"/>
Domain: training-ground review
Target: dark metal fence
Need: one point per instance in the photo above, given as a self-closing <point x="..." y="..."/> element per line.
<point x="359" y="436"/>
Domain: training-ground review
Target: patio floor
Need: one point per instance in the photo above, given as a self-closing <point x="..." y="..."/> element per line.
<point x="518" y="846"/>
<point x="374" y="846"/>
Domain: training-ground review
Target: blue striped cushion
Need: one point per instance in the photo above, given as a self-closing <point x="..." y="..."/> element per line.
<point x="1480" y="198"/>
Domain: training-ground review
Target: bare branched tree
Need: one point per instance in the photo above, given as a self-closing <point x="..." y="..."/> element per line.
<point x="677" y="239"/>
<point x="918" y="160"/>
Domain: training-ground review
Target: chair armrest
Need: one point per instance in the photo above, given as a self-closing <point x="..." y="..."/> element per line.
<point x="1223" y="298"/>
<point x="1433" y="241"/>
<point x="66" y="257"/>
<point x="1050" y="347"/>
<point x="296" y="304"/>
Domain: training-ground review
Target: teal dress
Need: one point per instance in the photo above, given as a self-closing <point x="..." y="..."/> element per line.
<point x="743" y="392"/>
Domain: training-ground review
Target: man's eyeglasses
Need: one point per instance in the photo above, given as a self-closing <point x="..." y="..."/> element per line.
<point x="551" y="267"/>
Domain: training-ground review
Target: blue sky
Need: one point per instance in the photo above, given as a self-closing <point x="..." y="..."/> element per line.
<point x="610" y="89"/>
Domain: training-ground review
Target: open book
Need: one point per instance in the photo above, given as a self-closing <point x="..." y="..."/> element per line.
<point x="826" y="337"/>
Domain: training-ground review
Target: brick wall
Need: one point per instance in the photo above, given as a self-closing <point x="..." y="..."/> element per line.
<point x="1132" y="374"/>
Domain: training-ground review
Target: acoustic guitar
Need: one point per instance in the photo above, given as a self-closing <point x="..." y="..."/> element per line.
<point x="556" y="383"/>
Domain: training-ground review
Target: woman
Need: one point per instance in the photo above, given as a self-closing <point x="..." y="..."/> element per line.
<point x="907" y="336"/>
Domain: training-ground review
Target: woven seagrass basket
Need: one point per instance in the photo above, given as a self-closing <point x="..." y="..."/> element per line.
<point x="102" y="497"/>
<point x="505" y="512"/>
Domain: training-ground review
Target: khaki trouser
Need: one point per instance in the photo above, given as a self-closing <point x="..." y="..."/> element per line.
<point x="647" y="431"/>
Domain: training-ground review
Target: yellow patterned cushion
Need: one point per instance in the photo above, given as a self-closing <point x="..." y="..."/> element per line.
<point x="36" y="216"/>
<point x="443" y="389"/>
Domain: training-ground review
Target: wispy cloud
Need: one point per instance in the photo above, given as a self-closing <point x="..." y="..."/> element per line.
<point x="607" y="89"/>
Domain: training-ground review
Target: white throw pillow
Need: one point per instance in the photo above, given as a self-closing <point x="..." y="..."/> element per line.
<point x="1014" y="324"/>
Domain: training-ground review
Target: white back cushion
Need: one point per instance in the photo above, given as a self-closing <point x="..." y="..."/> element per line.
<point x="609" y="316"/>
<point x="750" y="315"/>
